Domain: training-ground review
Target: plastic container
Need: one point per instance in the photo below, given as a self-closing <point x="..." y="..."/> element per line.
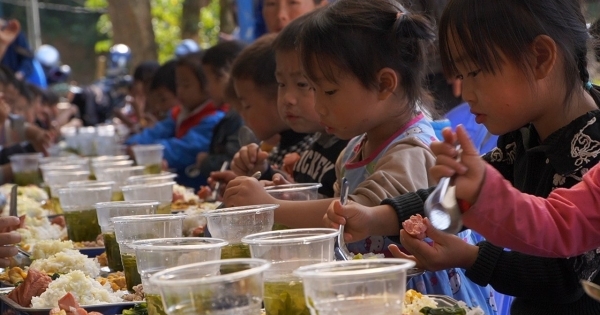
<point x="56" y="180"/>
<point x="150" y="156"/>
<point x="119" y="176"/>
<point x="288" y="250"/>
<point x="356" y="287"/>
<point x="60" y="167"/>
<point x="141" y="227"/>
<point x="108" y="210"/>
<point x="25" y="168"/>
<point x="98" y="167"/>
<point x="162" y="192"/>
<point x="201" y="288"/>
<point x="307" y="191"/>
<point x="156" y="255"/>
<point x="163" y="177"/>
<point x="80" y="215"/>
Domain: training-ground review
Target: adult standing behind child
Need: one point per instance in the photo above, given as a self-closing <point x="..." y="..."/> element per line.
<point x="188" y="128"/>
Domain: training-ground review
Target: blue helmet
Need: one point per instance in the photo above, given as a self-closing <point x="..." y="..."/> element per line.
<point x="187" y="46"/>
<point x="118" y="57"/>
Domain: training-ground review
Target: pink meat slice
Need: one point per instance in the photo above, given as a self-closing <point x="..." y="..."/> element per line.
<point x="415" y="226"/>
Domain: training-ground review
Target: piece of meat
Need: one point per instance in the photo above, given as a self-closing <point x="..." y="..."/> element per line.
<point x="204" y="192"/>
<point x="57" y="311"/>
<point x="67" y="302"/>
<point x="35" y="284"/>
<point x="178" y="196"/>
<point x="415" y="226"/>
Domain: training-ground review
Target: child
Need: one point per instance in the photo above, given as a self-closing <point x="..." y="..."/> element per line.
<point x="162" y="93"/>
<point x="569" y="217"/>
<point x="529" y="71"/>
<point x="188" y="128"/>
<point x="278" y="13"/>
<point x="254" y="80"/>
<point x="376" y="102"/>
<point x="142" y="79"/>
<point x="224" y="144"/>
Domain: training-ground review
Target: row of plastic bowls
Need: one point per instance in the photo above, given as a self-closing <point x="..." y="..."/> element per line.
<point x="246" y="263"/>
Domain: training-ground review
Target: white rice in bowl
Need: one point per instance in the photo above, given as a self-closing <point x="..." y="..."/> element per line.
<point x="46" y="248"/>
<point x="86" y="291"/>
<point x="67" y="261"/>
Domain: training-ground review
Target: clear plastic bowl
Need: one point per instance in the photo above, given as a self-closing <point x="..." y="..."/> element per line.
<point x="307" y="191"/>
<point x="108" y="210"/>
<point x="161" y="192"/>
<point x="143" y="227"/>
<point x="150" y="156"/>
<point x="163" y="177"/>
<point x="232" y="224"/>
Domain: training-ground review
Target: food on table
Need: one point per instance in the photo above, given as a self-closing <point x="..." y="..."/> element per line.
<point x="67" y="261"/>
<point x="137" y="295"/>
<point x="415" y="226"/>
<point x="102" y="259"/>
<point x="13" y="275"/>
<point x="45" y="248"/>
<point x="194" y="221"/>
<point x="138" y="309"/>
<point x="38" y="229"/>
<point x="82" y="225"/>
<point x="155" y="304"/>
<point x="204" y="192"/>
<point x="32" y="192"/>
<point x="113" y="253"/>
<point x="27" y="178"/>
<point x="132" y="276"/>
<point x="184" y="194"/>
<point x="35" y="284"/>
<point x="85" y="289"/>
<point x="152" y="169"/>
<point x="116" y="280"/>
<point x="68" y="305"/>
<point x="416" y="303"/>
<point x="99" y="242"/>
<point x="285" y="298"/>
<point x="367" y="256"/>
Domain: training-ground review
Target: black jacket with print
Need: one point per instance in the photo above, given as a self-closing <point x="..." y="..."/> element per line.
<point x="541" y="285"/>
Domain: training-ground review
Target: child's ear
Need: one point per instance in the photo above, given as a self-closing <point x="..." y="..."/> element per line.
<point x="388" y="80"/>
<point x="545" y="54"/>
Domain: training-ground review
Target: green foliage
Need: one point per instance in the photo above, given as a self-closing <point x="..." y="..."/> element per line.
<point x="166" y="21"/>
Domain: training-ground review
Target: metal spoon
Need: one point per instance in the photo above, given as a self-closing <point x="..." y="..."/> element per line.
<point x="441" y="206"/>
<point x="341" y="250"/>
<point x="215" y="192"/>
<point x="592" y="289"/>
<point x="22" y="258"/>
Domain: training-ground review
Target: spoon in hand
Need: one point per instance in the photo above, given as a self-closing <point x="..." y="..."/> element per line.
<point x="341" y="250"/>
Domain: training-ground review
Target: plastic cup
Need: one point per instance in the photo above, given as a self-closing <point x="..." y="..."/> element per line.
<point x="306" y="191"/>
<point x="201" y="289"/>
<point x="288" y="250"/>
<point x="149" y="156"/>
<point x="156" y="255"/>
<point x="106" y="144"/>
<point x="50" y="167"/>
<point x="85" y="141"/>
<point x="119" y="176"/>
<point x="59" y="179"/>
<point x="162" y="192"/>
<point x="56" y="159"/>
<point x="109" y="158"/>
<point x="356" y="287"/>
<point x="80" y="215"/>
<point x="108" y="210"/>
<point x="25" y="168"/>
<point x="163" y="177"/>
<point x="98" y="167"/>
<point x="142" y="227"/>
<point x="90" y="183"/>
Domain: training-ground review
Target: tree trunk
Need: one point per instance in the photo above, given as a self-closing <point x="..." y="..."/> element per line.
<point x="132" y="26"/>
<point x="190" y="18"/>
<point x="226" y="16"/>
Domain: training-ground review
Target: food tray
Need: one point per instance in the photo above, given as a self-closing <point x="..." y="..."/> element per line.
<point x="91" y="252"/>
<point x="443" y="300"/>
<point x="9" y="307"/>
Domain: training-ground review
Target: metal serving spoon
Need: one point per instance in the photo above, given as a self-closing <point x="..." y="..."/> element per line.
<point x="341" y="250"/>
<point x="442" y="208"/>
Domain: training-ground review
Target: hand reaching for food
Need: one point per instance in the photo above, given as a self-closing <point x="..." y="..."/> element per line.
<point x="244" y="191"/>
<point x="249" y="160"/>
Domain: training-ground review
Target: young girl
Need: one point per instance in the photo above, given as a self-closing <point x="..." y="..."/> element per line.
<point x="279" y="13"/>
<point x="525" y="79"/>
<point x="374" y="101"/>
<point x="569" y="217"/>
<point x="188" y="128"/>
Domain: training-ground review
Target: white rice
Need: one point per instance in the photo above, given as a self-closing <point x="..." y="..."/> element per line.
<point x="46" y="248"/>
<point x="67" y="261"/>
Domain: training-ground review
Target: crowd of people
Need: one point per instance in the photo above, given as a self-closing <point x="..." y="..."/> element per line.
<point x="364" y="90"/>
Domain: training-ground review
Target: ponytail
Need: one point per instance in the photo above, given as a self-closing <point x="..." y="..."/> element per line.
<point x="594" y="90"/>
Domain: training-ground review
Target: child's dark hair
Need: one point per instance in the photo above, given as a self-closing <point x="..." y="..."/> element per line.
<point x="287" y="39"/>
<point x="35" y="90"/>
<point x="144" y="72"/>
<point x="362" y="37"/>
<point x="481" y="28"/>
<point x="221" y="56"/>
<point x="257" y="63"/>
<point x="50" y="98"/>
<point x="165" y="77"/>
<point x="24" y="90"/>
<point x="193" y="61"/>
<point x="230" y="95"/>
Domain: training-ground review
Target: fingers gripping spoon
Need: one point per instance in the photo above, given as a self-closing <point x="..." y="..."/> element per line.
<point x="341" y="250"/>
<point x="215" y="192"/>
<point x="442" y="208"/>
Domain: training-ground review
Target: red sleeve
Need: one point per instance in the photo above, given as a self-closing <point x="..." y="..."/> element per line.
<point x="565" y="224"/>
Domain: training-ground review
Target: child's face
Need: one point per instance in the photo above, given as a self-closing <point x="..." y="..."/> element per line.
<point x="23" y="108"/>
<point x="216" y="84"/>
<point x="258" y="110"/>
<point x="189" y="90"/>
<point x="279" y="13"/>
<point x="504" y="101"/>
<point x="160" y="102"/>
<point x="295" y="97"/>
<point x="346" y="108"/>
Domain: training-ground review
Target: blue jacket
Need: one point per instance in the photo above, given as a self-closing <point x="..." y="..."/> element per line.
<point x="181" y="148"/>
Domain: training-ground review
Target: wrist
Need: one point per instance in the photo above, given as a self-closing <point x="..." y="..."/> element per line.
<point x="473" y="198"/>
<point x="470" y="256"/>
<point x="382" y="220"/>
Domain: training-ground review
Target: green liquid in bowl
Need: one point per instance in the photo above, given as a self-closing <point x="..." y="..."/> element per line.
<point x="235" y="251"/>
<point x="27" y="178"/>
<point x="113" y="254"/>
<point x="82" y="226"/>
<point x="155" y="305"/>
<point x="164" y="209"/>
<point x="285" y="298"/>
<point x="132" y="276"/>
<point x="152" y="169"/>
<point x="117" y="196"/>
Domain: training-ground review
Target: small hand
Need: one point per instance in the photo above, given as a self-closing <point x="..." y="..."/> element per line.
<point x="8" y="239"/>
<point x="447" y="251"/>
<point x="223" y="177"/>
<point x="354" y="216"/>
<point x="244" y="191"/>
<point x="279" y="179"/>
<point x="468" y="173"/>
<point x="249" y="160"/>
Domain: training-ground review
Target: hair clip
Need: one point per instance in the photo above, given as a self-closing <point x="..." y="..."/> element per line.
<point x="589" y="86"/>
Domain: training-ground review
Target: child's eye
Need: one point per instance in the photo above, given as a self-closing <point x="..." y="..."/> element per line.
<point x="280" y="85"/>
<point x="303" y="85"/>
<point x="474" y="73"/>
<point x="330" y="92"/>
<point x="459" y="77"/>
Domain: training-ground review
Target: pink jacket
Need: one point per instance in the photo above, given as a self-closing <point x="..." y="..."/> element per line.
<point x="565" y="224"/>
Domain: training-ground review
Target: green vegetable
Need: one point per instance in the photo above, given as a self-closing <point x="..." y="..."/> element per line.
<point x="443" y="311"/>
<point x="55" y="276"/>
<point x="138" y="309"/>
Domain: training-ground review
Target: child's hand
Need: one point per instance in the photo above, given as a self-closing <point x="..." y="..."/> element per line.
<point x="8" y="239"/>
<point x="354" y="216"/>
<point x="244" y="191"/>
<point x="39" y="138"/>
<point x="447" y="251"/>
<point x="249" y="160"/>
<point x="224" y="177"/>
<point x="468" y="173"/>
<point x="280" y="179"/>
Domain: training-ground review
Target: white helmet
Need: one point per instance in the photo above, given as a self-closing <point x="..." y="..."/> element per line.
<point x="187" y="46"/>
<point x="48" y="56"/>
